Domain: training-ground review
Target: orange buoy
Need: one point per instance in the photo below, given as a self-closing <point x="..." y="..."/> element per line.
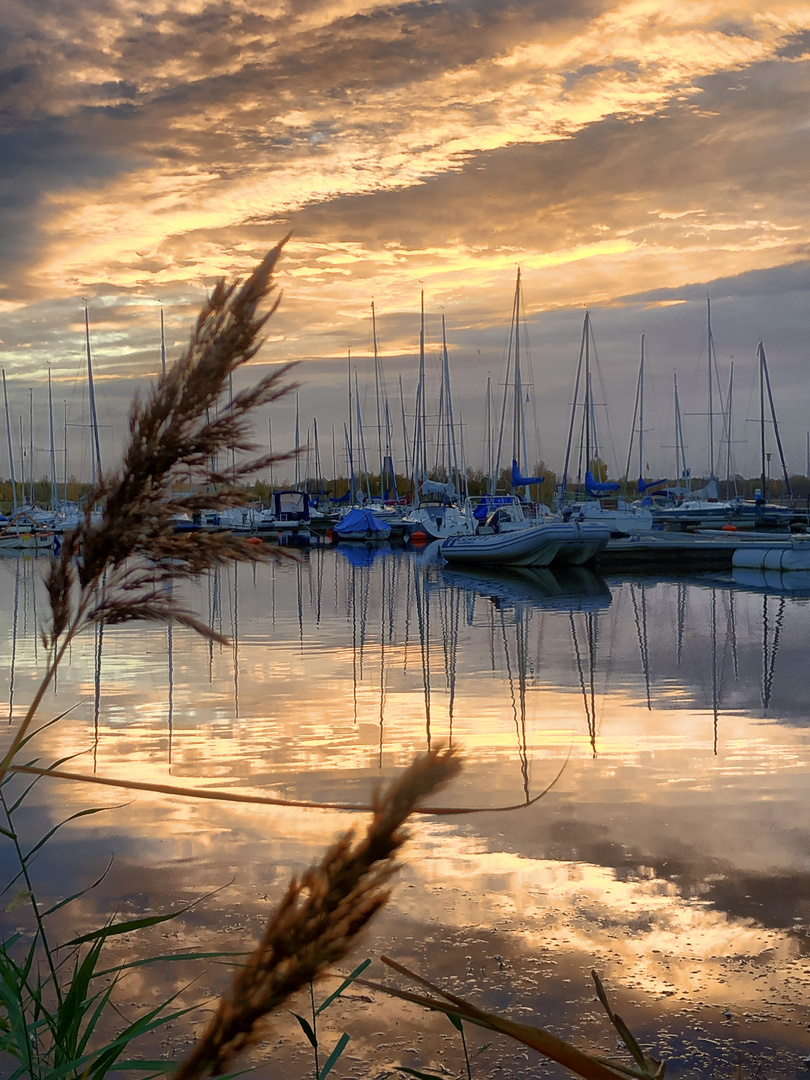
<point x="729" y="528"/>
<point x="254" y="540"/>
<point x="418" y="537"/>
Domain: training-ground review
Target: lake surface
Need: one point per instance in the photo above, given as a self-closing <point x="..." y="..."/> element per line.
<point x="667" y="717"/>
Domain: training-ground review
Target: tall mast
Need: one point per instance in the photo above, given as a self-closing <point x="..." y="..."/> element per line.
<point x="588" y="403"/>
<point x="31" y="447"/>
<point x="297" y="448"/>
<point x="162" y="344"/>
<point x="574" y="406"/>
<point x="404" y="428"/>
<point x="423" y="403"/>
<point x="350" y="432"/>
<point x="65" y="474"/>
<point x="451" y="431"/>
<point x="730" y="417"/>
<point x="360" y="435"/>
<point x="54" y="496"/>
<point x="517" y="403"/>
<point x="10" y="450"/>
<point x="92" y="395"/>
<point x="270" y="448"/>
<point x="767" y="380"/>
<point x="680" y="459"/>
<point x="641" y="411"/>
<point x="377" y="391"/>
<point x="710" y="350"/>
<point x="488" y="430"/>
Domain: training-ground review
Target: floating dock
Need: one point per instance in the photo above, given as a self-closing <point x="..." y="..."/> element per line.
<point x="704" y="550"/>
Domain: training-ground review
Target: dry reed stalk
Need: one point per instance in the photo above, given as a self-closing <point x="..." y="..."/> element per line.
<point x="315" y="924"/>
<point x="121" y="568"/>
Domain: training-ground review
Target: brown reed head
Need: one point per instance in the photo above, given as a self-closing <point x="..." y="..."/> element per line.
<point x="318" y="919"/>
<point x="120" y="566"/>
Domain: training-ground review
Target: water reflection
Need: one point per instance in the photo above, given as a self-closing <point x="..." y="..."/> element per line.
<point x="675" y="841"/>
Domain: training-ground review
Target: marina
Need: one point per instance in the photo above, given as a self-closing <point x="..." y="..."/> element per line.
<point x="635" y="760"/>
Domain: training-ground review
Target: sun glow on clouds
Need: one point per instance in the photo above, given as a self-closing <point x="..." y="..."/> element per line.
<point x="630" y="61"/>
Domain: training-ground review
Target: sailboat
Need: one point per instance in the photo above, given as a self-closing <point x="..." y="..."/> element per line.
<point x="702" y="511"/>
<point x="620" y="517"/>
<point x="437" y="515"/>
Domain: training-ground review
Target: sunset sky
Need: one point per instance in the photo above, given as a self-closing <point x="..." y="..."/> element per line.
<point x="631" y="158"/>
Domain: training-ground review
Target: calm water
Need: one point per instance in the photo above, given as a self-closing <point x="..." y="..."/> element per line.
<point x="672" y="854"/>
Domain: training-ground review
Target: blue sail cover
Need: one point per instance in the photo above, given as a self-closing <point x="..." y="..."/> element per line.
<point x="523" y="481"/>
<point x="593" y="488"/>
<point x="645" y="485"/>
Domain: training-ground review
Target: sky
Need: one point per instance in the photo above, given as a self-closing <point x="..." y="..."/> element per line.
<point x="632" y="159"/>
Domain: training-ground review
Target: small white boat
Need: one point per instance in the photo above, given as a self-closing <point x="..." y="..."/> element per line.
<point x="22" y="533"/>
<point x="435" y="521"/>
<point x="621" y="519"/>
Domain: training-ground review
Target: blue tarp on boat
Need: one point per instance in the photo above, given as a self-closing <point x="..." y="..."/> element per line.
<point x="360" y="522"/>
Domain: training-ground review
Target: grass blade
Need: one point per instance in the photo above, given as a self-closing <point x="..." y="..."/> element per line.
<point x="346" y="982"/>
<point x="333" y="1057"/>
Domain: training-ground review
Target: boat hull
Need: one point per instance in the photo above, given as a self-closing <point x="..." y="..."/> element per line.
<point x="527" y="545"/>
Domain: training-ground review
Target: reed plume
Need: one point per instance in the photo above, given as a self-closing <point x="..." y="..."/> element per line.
<point x="317" y="920"/>
<point x="120" y="562"/>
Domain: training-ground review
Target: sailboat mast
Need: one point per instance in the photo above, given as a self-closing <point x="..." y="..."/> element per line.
<point x="588" y="403"/>
<point x="360" y="436"/>
<point x="680" y="449"/>
<point x="270" y="448"/>
<point x="517" y="402"/>
<point x="775" y="424"/>
<point x="710" y="350"/>
<point x="162" y="345"/>
<point x="350" y="432"/>
<point x="451" y="430"/>
<point x="92" y="396"/>
<point x="54" y="496"/>
<point x="64" y="403"/>
<point x="377" y="392"/>
<point x="729" y="427"/>
<point x="574" y="404"/>
<point x="404" y="429"/>
<point x="641" y="411"/>
<point x="763" y="481"/>
<point x="10" y="450"/>
<point x="31" y="447"/>
<point x="422" y="399"/>
<point x="488" y="431"/>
